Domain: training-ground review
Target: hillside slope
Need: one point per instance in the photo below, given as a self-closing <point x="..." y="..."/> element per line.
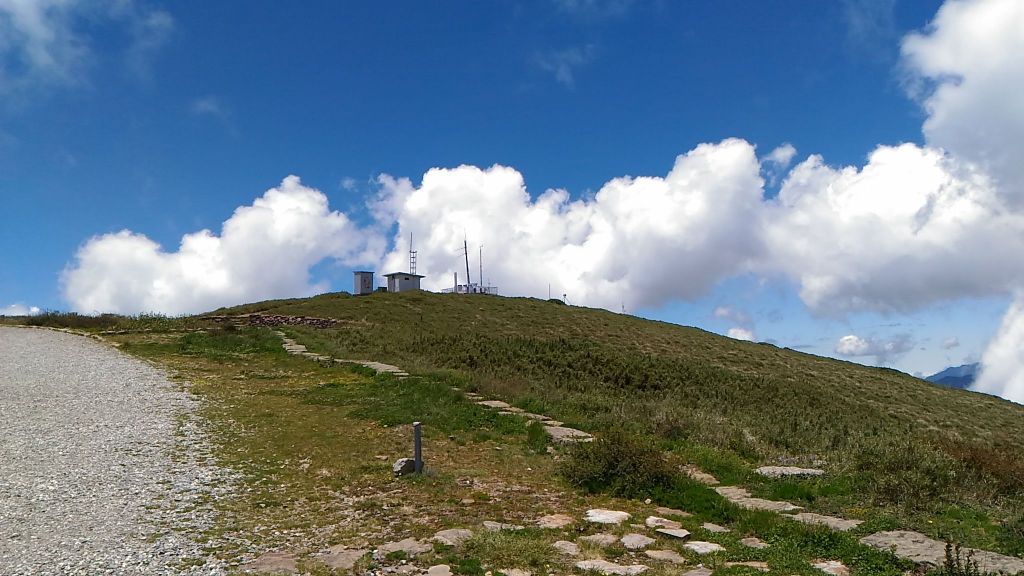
<point x="522" y="341"/>
<point x="901" y="452"/>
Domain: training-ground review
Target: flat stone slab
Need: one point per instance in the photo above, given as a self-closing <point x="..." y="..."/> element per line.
<point x="499" y="526"/>
<point x="567" y="548"/>
<point x="555" y="521"/>
<point x="496" y="404"/>
<point x="611" y="568"/>
<point x="702" y="548"/>
<point x="600" y="539"/>
<point x="714" y="528"/>
<point x="565" y="435"/>
<point x="439" y="570"/>
<point x="838" y="524"/>
<point x="762" y="566"/>
<point x="658" y="522"/>
<point x="699" y="572"/>
<point x="636" y="541"/>
<point x="834" y="567"/>
<point x="410" y="546"/>
<point x="783" y="471"/>
<point x="756" y="543"/>
<point x="453" y="537"/>
<point x="672" y="512"/>
<point x="273" y="563"/>
<point x="742" y="498"/>
<point x="700" y="475"/>
<point x="342" y="558"/>
<point x="604" y="516"/>
<point x="666" y="556"/>
<point x="678" y="533"/>
<point x="921" y="549"/>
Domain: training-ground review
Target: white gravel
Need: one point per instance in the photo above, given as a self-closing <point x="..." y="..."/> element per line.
<point x="103" y="467"/>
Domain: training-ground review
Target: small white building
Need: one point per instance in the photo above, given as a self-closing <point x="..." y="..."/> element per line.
<point x="363" y="282"/>
<point x="403" y="281"/>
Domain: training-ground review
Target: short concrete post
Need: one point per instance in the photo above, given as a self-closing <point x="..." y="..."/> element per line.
<point x="417" y="446"/>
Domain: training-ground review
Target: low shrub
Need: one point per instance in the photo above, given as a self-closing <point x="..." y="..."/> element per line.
<point x="620" y="464"/>
<point x="907" y="472"/>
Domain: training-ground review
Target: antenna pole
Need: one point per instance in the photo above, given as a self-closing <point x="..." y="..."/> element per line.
<point x="481" y="265"/>
<point x="465" y="250"/>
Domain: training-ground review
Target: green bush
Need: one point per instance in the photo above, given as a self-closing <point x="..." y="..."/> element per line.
<point x="907" y="472"/>
<point x="537" y="438"/>
<point x="620" y="464"/>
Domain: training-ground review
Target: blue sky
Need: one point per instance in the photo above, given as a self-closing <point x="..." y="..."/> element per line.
<point x="163" y="118"/>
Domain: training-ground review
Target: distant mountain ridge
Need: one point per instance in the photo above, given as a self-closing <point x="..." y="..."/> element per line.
<point x="956" y="376"/>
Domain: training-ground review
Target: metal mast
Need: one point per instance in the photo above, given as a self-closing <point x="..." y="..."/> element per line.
<point x="465" y="250"/>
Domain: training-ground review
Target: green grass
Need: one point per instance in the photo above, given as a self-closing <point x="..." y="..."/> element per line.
<point x="895" y="446"/>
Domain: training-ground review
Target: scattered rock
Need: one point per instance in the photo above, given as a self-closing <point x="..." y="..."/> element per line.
<point x="273" y="563"/>
<point x="833" y="567"/>
<point x="600" y="539"/>
<point x="554" y="521"/>
<point x="410" y="546"/>
<point x="743" y="499"/>
<point x="566" y="547"/>
<point x="674" y="532"/>
<point x="762" y="566"/>
<point x="754" y="543"/>
<point x="671" y="512"/>
<point x="404" y="466"/>
<point x="439" y="570"/>
<point x="839" y="524"/>
<point x="658" y="522"/>
<point x="453" y="537"/>
<point x="611" y="568"/>
<point x="699" y="475"/>
<point x="603" y="516"/>
<point x="666" y="556"/>
<point x="702" y="571"/>
<point x="714" y="528"/>
<point x="564" y="435"/>
<point x="921" y="549"/>
<point x="636" y="541"/>
<point x="782" y="471"/>
<point x="342" y="558"/>
<point x="498" y="526"/>
<point x="702" y="548"/>
<point x="402" y="569"/>
<point x="515" y="572"/>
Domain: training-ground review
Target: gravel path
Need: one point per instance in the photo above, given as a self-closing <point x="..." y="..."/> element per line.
<point x="100" y="455"/>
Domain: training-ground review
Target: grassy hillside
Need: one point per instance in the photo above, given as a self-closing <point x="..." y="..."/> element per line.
<point x="900" y="451"/>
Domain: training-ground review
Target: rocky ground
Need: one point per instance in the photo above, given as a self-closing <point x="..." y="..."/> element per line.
<point x="100" y="457"/>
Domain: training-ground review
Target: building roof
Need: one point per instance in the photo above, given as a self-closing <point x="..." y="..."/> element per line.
<point x="362" y="271"/>
<point x="404" y="274"/>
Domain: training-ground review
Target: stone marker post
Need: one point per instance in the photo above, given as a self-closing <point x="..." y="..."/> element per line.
<point x="417" y="446"/>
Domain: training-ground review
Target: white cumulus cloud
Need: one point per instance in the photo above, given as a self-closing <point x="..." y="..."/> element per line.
<point x="967" y="66"/>
<point x="740" y="333"/>
<point x="264" y="250"/>
<point x="19" y="310"/>
<point x="639" y="241"/>
<point x="1002" y="364"/>
<point x="884" y="351"/>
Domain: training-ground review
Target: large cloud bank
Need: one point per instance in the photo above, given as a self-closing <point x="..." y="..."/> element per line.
<point x="264" y="250"/>
<point x="914" y="225"/>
